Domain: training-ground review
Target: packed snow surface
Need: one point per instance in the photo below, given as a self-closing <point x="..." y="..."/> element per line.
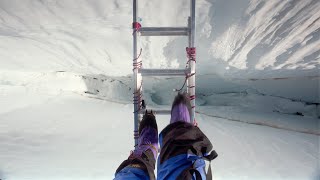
<point x="66" y="85"/>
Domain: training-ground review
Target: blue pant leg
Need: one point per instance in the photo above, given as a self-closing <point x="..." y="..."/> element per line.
<point x="131" y="173"/>
<point x="173" y="167"/>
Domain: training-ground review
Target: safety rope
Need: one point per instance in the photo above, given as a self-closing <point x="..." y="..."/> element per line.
<point x="191" y="55"/>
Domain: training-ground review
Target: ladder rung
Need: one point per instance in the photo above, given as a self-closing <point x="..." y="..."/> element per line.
<point x="164" y="31"/>
<point x="157" y="111"/>
<point x="164" y="72"/>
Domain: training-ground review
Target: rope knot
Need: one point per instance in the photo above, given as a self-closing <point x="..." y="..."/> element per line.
<point x="191" y="53"/>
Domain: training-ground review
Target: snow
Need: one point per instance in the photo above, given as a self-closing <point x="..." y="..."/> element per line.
<point x="67" y="135"/>
<point x="66" y="85"/>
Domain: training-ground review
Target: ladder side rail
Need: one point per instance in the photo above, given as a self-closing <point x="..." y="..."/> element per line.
<point x="189" y="44"/>
<point x="137" y="75"/>
<point x="191" y="80"/>
<point x="136" y="80"/>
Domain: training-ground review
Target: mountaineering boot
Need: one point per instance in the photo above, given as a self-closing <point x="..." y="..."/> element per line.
<point x="148" y="135"/>
<point x="184" y="147"/>
<point x="181" y="109"/>
<point x="144" y="156"/>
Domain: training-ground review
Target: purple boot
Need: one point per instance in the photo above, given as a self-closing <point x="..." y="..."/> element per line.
<point x="148" y="135"/>
<point x="144" y="156"/>
<point x="181" y="108"/>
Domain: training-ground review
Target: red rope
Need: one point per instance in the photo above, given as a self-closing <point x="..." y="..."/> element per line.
<point x="138" y="64"/>
<point x="137" y="99"/>
<point x="192" y="74"/>
<point x="191" y="53"/>
<point x="136" y="27"/>
<point x="137" y="95"/>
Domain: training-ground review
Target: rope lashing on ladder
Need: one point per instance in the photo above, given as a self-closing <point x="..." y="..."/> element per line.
<point x="137" y="99"/>
<point x="138" y="64"/>
<point x="185" y="81"/>
<point x="136" y="27"/>
<point x="137" y="95"/>
<point x="191" y="54"/>
<point x="135" y="135"/>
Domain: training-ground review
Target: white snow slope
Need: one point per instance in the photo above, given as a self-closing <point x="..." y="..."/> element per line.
<point x="66" y="85"/>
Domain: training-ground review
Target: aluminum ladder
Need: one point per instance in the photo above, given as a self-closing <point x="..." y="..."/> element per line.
<point x="139" y="72"/>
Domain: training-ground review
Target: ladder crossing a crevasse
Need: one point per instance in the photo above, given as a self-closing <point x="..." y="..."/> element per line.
<point x="139" y="72"/>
